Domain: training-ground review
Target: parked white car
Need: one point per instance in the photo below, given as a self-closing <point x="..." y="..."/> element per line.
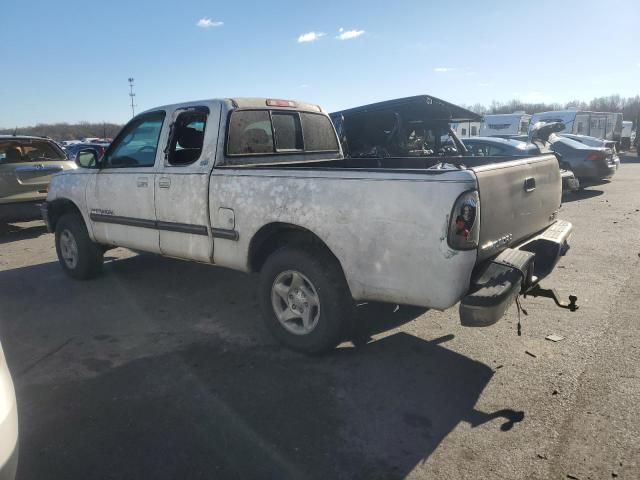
<point x="261" y="185"/>
<point x="8" y="423"/>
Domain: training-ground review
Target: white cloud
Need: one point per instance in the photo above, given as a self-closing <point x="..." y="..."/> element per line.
<point x="484" y="84"/>
<point x="310" y="37"/>
<point x="205" y="22"/>
<point x="442" y="69"/>
<point x="348" y="34"/>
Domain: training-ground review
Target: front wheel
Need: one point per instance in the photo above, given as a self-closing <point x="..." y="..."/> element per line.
<point x="79" y="257"/>
<point x="305" y="300"/>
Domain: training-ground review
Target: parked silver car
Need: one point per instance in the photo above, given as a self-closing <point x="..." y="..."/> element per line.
<point x="589" y="164"/>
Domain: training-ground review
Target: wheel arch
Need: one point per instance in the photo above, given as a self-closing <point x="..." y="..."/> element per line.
<point x="272" y="236"/>
<point x="59" y="207"/>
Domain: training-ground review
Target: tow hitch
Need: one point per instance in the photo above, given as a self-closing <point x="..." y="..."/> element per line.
<point x="538" y="291"/>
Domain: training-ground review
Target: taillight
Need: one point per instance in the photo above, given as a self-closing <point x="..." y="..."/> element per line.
<point x="594" y="156"/>
<point x="464" y="225"/>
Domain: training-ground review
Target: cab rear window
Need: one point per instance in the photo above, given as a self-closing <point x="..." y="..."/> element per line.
<point x="263" y="132"/>
<point x="28" y="150"/>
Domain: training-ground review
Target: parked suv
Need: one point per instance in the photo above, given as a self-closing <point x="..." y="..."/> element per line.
<point x="26" y="167"/>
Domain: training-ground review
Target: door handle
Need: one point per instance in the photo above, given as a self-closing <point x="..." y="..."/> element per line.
<point x="164" y="182"/>
<point x="143" y="182"/>
<point x="529" y="184"/>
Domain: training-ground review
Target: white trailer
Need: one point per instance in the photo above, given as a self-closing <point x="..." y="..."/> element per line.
<point x="466" y="129"/>
<point x="625" y="137"/>
<point x="604" y="125"/>
<point x="516" y="123"/>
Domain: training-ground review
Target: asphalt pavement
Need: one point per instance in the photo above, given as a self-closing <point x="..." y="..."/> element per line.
<point x="163" y="369"/>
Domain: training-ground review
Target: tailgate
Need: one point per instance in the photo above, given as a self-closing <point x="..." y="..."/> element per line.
<point x="518" y="199"/>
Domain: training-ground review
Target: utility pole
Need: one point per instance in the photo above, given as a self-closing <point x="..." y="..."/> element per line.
<point x="131" y="94"/>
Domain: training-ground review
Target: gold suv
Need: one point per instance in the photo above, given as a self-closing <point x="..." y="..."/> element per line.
<point x="26" y="167"/>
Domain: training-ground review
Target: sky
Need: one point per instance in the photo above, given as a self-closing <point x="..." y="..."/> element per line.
<point x="69" y="61"/>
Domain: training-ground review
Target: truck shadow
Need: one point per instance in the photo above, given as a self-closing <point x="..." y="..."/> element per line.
<point x="211" y="411"/>
<point x="210" y="405"/>
<point x="22" y="231"/>
<point x="581" y="195"/>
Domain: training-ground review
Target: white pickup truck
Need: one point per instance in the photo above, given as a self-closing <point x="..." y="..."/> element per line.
<point x="261" y="185"/>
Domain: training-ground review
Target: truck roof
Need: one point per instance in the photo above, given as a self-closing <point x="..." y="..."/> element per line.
<point x="427" y="105"/>
<point x="246" y="102"/>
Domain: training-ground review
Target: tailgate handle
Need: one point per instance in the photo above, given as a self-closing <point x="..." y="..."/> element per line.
<point x="529" y="184"/>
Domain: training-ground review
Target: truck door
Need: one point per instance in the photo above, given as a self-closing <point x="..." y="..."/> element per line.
<point x="121" y="195"/>
<point x="182" y="183"/>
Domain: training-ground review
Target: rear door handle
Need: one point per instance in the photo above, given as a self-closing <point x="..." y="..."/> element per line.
<point x="164" y="182"/>
<point x="143" y="182"/>
<point x="529" y="184"/>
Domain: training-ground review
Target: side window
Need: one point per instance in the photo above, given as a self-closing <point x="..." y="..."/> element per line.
<point x="288" y="131"/>
<point x="136" y="146"/>
<point x="319" y="135"/>
<point x="250" y="132"/>
<point x="492" y="150"/>
<point x="477" y="149"/>
<point x="187" y="138"/>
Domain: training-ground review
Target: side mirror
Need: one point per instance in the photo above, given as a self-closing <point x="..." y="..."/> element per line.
<point x="87" y="158"/>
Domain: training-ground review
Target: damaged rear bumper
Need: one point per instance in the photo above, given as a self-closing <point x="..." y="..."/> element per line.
<point x="498" y="282"/>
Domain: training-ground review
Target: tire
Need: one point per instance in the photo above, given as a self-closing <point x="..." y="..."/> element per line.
<point x="84" y="261"/>
<point x="292" y="281"/>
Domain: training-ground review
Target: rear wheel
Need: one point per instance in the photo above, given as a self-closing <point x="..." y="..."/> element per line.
<point x="79" y="257"/>
<point x="305" y="300"/>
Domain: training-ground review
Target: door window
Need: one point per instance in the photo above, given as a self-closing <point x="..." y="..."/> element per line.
<point x="137" y="144"/>
<point x="188" y="137"/>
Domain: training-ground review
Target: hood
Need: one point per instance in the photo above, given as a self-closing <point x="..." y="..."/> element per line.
<point x="543" y="130"/>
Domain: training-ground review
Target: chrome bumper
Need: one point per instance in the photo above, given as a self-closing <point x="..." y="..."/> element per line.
<point x="499" y="281"/>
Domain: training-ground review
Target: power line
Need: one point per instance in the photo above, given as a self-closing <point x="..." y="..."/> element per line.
<point x="131" y="94"/>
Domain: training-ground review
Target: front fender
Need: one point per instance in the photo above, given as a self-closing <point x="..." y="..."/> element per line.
<point x="67" y="193"/>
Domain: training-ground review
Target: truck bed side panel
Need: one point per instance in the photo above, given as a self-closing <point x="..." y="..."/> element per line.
<point x="388" y="230"/>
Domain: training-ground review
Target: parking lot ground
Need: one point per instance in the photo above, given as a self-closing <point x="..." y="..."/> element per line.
<point x="162" y="369"/>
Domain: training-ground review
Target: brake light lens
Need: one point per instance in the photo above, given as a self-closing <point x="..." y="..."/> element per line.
<point x="280" y="103"/>
<point x="464" y="225"/>
<point x="594" y="156"/>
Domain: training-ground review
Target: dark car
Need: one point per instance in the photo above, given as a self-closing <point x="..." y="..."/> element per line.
<point x="495" y="146"/>
<point x="589" y="164"/>
<point x="73" y="149"/>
